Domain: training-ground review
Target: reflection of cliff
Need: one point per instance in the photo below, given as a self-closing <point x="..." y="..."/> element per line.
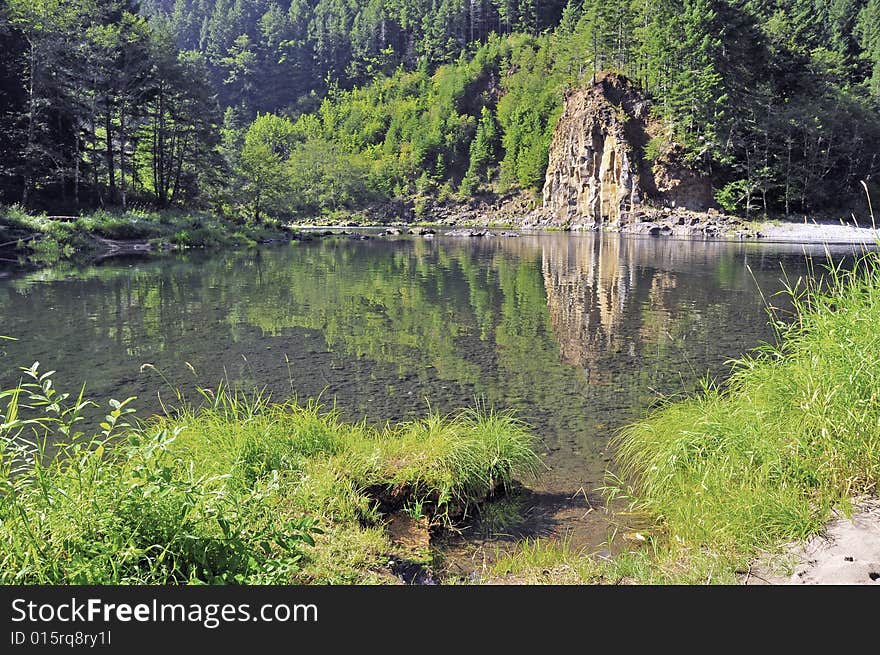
<point x="630" y="307"/>
<point x="587" y="283"/>
<point x="632" y="301"/>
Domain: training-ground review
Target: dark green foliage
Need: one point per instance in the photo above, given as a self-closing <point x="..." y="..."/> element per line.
<point x="266" y="55"/>
<point x="413" y="129"/>
<point x="111" y="103"/>
<point x="102" y="108"/>
<point x="13" y="103"/>
<point x="483" y="153"/>
<point x="869" y="38"/>
<point x="770" y="99"/>
<point x="528" y="112"/>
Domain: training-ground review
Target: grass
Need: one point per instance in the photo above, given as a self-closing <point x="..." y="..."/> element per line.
<point x="556" y="562"/>
<point x="242" y="491"/>
<point x="43" y="239"/>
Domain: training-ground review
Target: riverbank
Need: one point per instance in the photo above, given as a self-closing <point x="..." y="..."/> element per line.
<point x="40" y="240"/>
<point x="719" y="486"/>
<point x="847" y="551"/>
<point x="491" y="214"/>
<point x="240" y="492"/>
<point x="520" y="211"/>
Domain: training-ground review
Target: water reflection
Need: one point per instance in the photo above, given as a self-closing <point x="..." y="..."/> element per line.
<point x="576" y="333"/>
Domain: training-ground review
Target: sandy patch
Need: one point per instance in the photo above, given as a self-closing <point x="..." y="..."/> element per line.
<point x="847" y="552"/>
<point x="819" y="233"/>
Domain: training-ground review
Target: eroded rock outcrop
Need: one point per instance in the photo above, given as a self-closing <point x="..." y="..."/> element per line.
<point x="597" y="173"/>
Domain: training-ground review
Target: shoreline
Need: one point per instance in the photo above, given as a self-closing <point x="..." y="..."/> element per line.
<point x="846" y="551"/>
<point x="516" y="212"/>
<point x="37" y="241"/>
<point x="766" y="232"/>
<point x="827" y="233"/>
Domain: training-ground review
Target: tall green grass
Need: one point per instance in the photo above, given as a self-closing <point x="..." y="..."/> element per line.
<point x="557" y="562"/>
<point x="242" y="491"/>
<point x="794" y="432"/>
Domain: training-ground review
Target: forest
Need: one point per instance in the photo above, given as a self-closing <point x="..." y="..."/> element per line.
<point x="299" y="108"/>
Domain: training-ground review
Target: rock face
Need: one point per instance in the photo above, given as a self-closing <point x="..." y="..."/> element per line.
<point x="597" y="174"/>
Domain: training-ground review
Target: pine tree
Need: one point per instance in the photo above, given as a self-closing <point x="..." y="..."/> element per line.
<point x="696" y="94"/>
<point x="46" y="27"/>
<point x="483" y="152"/>
<point x="868" y="31"/>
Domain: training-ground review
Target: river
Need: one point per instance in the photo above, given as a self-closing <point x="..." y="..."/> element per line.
<point x="577" y="334"/>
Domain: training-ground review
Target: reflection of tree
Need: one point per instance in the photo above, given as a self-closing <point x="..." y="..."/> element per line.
<point x="424" y="310"/>
<point x="383" y="325"/>
<point x="396" y="306"/>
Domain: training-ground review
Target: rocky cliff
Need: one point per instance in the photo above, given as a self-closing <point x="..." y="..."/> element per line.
<point x="597" y="173"/>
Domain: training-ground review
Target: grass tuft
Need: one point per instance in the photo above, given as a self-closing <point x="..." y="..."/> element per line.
<point x="241" y="492"/>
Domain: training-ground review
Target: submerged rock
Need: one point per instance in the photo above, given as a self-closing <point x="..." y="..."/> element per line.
<point x="408" y="533"/>
<point x="469" y="233"/>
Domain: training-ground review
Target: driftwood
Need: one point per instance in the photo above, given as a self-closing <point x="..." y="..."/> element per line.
<point x="22" y="240"/>
<point x="114" y="248"/>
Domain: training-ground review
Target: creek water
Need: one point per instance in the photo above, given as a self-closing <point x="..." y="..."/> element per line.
<point x="577" y="334"/>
